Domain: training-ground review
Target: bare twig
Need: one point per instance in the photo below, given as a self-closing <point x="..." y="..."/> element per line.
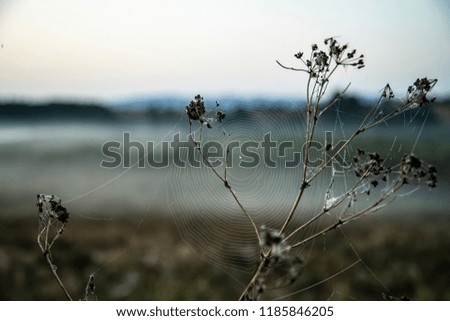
<point x="290" y="68"/>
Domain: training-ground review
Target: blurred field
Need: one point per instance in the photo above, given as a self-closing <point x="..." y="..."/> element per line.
<point x="146" y="259"/>
<point x="170" y="234"/>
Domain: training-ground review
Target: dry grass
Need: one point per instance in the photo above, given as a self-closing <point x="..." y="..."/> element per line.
<point x="146" y="259"/>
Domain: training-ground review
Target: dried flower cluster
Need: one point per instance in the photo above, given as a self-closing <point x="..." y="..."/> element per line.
<point x="196" y="111"/>
<point x="220" y="115"/>
<point x="413" y="170"/>
<point x="388" y="92"/>
<point x="416" y="97"/>
<point x="370" y="166"/>
<point x="322" y="62"/>
<point x="417" y="92"/>
<point x="50" y="207"/>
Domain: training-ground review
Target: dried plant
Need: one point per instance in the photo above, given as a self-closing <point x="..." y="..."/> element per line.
<point x="371" y="173"/>
<point x="52" y="222"/>
<point x="53" y="217"/>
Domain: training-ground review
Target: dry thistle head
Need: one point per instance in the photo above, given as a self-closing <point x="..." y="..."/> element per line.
<point x="388" y="92"/>
<point x="417" y="92"/>
<point x="370" y="166"/>
<point x="196" y="108"/>
<point x="220" y="115"/>
<point x="322" y="62"/>
<point x="196" y="111"/>
<point x="413" y="171"/>
<point x="50" y="208"/>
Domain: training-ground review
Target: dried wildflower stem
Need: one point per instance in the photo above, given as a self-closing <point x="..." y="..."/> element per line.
<point x="225" y="166"/>
<point x="307" y="181"/>
<point x="313" y="116"/>
<point x="315" y="93"/>
<point x="393" y="113"/>
<point x="320" y="67"/>
<point x="416" y="97"/>
<point x="52" y="268"/>
<point x="310" y="131"/>
<point x="328" y="209"/>
<point x="246" y="294"/>
<point x="45" y="248"/>
<point x="291" y="68"/>
<point x="363" y="127"/>
<point x="375" y="206"/>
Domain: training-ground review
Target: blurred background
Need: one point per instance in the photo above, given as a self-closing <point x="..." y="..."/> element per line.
<point x="75" y="75"/>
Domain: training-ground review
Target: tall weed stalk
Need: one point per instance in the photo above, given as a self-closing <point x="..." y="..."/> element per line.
<point x="370" y="171"/>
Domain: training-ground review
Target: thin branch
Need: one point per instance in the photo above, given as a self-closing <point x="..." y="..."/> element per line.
<point x="53" y="269"/>
<point x="309" y="138"/>
<point x="251" y="285"/>
<point x="340" y="222"/>
<point x="326" y="210"/>
<point x="291" y="68"/>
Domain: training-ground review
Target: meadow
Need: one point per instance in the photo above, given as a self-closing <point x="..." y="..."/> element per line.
<point x="147" y="259"/>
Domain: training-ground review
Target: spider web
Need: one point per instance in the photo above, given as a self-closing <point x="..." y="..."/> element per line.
<point x="207" y="215"/>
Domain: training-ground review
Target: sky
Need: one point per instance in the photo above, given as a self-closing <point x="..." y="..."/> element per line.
<point x="111" y="49"/>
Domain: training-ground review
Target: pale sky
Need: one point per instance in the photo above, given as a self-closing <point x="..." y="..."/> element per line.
<point x="110" y="49"/>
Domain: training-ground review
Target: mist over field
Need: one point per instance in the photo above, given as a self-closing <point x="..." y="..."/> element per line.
<point x="56" y="148"/>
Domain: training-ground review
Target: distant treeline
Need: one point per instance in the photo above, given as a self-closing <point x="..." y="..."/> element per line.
<point x="348" y="109"/>
<point x="54" y="111"/>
